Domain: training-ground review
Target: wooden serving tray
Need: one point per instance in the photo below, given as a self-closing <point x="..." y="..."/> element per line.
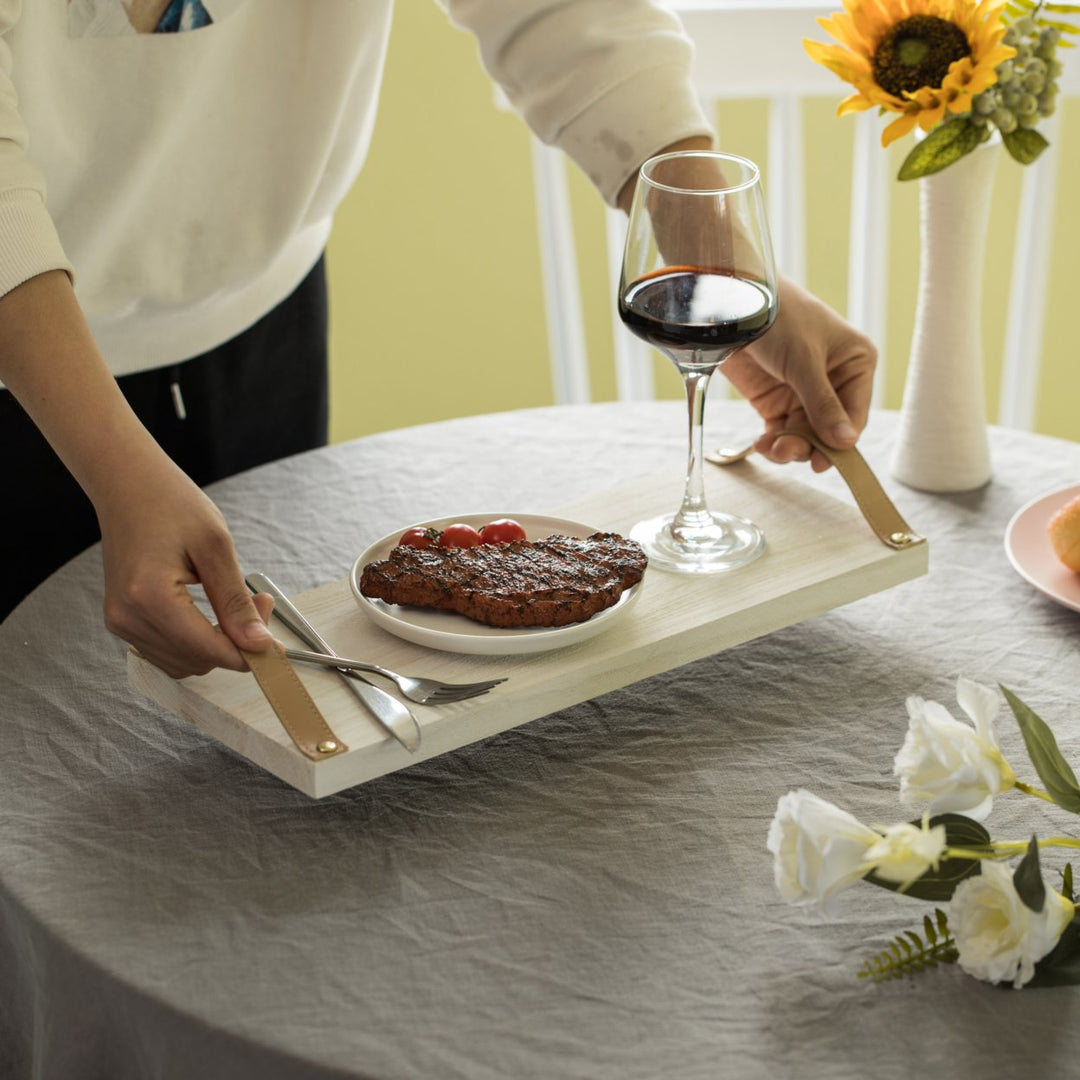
<point x="821" y="554"/>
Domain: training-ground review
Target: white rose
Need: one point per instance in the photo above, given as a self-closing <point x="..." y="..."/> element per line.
<point x="999" y="938"/>
<point x="905" y="852"/>
<point x="818" y="849"/>
<point x="954" y="766"/>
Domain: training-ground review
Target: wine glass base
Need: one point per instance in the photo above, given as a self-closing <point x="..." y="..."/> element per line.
<point x="724" y="542"/>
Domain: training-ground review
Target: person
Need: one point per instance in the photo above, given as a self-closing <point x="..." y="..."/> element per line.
<point x="169" y="170"/>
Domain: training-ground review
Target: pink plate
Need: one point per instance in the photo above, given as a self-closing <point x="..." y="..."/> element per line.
<point x="1028" y="548"/>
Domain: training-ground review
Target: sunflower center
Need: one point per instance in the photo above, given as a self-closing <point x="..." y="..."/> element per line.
<point x="917" y="52"/>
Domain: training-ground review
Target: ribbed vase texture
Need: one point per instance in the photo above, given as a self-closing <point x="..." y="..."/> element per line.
<point x="941" y="442"/>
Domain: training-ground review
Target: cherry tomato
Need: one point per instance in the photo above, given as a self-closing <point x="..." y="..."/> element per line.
<point x="501" y="531"/>
<point x="419" y="537"/>
<point x="459" y="535"/>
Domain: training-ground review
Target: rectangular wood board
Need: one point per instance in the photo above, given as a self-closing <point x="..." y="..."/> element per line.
<point x="820" y="555"/>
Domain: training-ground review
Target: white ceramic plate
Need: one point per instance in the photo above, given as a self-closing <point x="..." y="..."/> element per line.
<point x="454" y="633"/>
<point x="1031" y="554"/>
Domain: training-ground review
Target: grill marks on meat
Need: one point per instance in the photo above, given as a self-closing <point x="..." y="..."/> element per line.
<point x="552" y="582"/>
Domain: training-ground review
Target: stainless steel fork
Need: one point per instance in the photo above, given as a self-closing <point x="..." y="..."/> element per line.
<point x="422" y="691"/>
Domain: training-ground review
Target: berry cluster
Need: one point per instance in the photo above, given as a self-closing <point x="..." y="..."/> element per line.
<point x="1027" y="85"/>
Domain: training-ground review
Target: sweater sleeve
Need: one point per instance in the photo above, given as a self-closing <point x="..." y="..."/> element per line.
<point x="608" y="81"/>
<point x="29" y="244"/>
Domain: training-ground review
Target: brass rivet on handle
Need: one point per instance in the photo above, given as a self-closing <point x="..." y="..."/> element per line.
<point x="327" y="746"/>
<point x="901" y="539"/>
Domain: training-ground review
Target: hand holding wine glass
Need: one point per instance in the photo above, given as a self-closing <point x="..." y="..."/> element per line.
<point x="698" y="283"/>
<point x="811" y="368"/>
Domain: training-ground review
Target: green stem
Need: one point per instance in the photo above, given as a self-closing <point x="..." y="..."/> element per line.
<point x="1058" y="841"/>
<point x="1027" y="789"/>
<point x="1006" y="849"/>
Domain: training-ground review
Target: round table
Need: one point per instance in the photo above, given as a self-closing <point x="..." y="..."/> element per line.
<point x="587" y="895"/>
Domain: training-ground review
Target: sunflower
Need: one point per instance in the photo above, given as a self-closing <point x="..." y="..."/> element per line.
<point x="918" y="58"/>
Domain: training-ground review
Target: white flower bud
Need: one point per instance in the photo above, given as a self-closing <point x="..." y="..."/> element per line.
<point x="906" y="852"/>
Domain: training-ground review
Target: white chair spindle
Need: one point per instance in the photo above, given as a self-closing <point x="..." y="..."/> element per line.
<point x="558" y="259"/>
<point x="868" y="262"/>
<point x="1026" y="318"/>
<point x="786" y="190"/>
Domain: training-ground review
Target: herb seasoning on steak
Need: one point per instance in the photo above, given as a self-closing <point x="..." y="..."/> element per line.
<point x="552" y="582"/>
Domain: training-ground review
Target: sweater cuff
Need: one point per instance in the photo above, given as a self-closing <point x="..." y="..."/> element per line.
<point x="629" y="124"/>
<point x="29" y="244"/>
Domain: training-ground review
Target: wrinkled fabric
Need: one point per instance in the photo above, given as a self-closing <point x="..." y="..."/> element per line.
<point x="586" y="896"/>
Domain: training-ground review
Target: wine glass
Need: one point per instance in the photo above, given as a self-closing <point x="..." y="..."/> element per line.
<point x="698" y="283"/>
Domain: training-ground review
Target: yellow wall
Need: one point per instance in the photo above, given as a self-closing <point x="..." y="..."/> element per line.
<point x="434" y="269"/>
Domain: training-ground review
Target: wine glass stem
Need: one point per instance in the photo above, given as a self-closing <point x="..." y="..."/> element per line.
<point x="694" y="513"/>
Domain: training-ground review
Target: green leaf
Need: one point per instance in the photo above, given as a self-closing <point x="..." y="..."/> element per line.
<point x="1061" y="27"/>
<point x="928" y="929"/>
<point x="1054" y="771"/>
<point x="1027" y="879"/>
<point x="945" y="144"/>
<point x="1060" y="966"/>
<point x="941" y="883"/>
<point x="1024" y="144"/>
<point x="908" y="953"/>
<point x="1067" y="882"/>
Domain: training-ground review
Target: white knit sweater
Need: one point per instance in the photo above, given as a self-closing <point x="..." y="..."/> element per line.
<point x="189" y="179"/>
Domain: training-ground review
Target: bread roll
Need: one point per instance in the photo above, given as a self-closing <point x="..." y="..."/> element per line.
<point x="1064" y="532"/>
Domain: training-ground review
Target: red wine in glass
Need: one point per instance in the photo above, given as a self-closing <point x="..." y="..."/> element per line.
<point x="696" y="315"/>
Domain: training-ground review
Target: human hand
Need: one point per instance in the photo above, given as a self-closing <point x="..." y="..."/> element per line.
<point x="155" y="543"/>
<point x="811" y="366"/>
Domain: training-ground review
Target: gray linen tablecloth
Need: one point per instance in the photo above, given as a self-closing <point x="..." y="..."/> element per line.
<point x="586" y="896"/>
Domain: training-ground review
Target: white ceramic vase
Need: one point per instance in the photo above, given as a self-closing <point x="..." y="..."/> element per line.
<point x="941" y="442"/>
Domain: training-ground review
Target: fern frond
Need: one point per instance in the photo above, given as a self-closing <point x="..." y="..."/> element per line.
<point x="908" y="953"/>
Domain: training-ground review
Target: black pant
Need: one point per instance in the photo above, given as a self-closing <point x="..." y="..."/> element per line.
<point x="261" y="396"/>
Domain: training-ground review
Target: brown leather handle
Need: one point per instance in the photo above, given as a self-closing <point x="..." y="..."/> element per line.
<point x="298" y="713"/>
<point x="878" y="509"/>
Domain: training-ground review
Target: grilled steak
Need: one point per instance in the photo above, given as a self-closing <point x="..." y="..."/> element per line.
<point x="552" y="582"/>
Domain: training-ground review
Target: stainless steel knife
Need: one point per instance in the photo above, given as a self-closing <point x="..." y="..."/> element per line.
<point x="391" y="713"/>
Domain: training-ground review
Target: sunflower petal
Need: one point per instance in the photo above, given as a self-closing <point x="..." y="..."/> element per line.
<point x="930" y="118"/>
<point x="855" y="103"/>
<point x="843" y="28"/>
<point x="839" y="61"/>
<point x="898" y="128"/>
